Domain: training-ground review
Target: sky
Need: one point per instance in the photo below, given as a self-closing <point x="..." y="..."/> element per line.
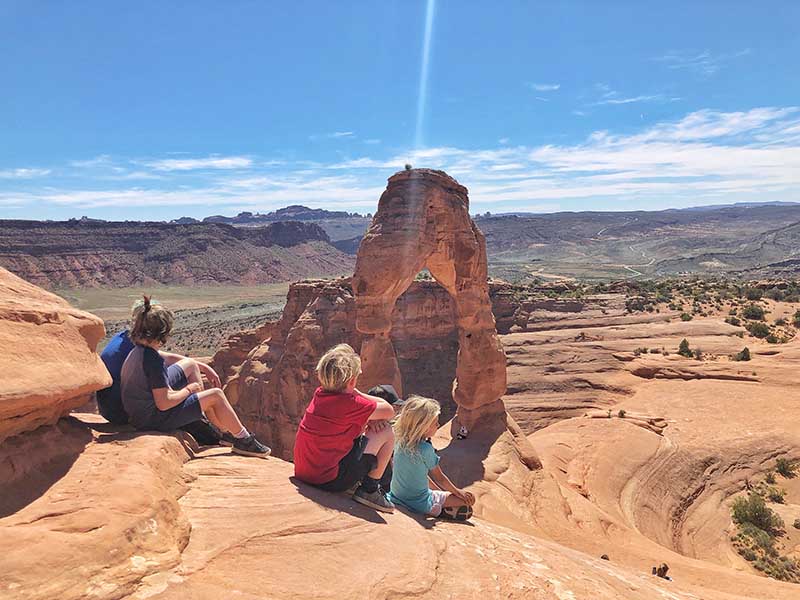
<point x="156" y="110"/>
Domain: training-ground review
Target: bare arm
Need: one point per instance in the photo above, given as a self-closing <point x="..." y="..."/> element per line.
<point x="167" y="398"/>
<point x="170" y="358"/>
<point x="443" y="482"/>
<point x="383" y="412"/>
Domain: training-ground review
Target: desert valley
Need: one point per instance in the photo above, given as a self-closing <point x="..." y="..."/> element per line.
<point x="642" y="412"/>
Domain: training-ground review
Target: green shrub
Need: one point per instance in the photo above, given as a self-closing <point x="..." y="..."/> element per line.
<point x="753" y="293"/>
<point x="780" y="322"/>
<point x="684" y="349"/>
<point x="733" y="321"/>
<point x="698" y="354"/>
<point x="758" y="329"/>
<point x="621" y="414"/>
<point x="785" y="467"/>
<point x="655" y="351"/>
<point x="753" y="510"/>
<point x="754" y="312"/>
<point x="770" y="478"/>
<point x="796" y="319"/>
<point x="777" y="495"/>
<point x="743" y="354"/>
<point x="772" y="339"/>
<point x="775" y="294"/>
<point x="796" y="524"/>
<point x="686" y="317"/>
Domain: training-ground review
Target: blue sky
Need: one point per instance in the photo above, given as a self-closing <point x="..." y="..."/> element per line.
<point x="154" y="110"/>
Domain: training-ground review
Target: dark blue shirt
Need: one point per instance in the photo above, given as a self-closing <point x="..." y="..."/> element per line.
<point x="109" y="400"/>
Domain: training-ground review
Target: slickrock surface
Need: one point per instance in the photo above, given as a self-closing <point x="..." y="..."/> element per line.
<point x="423" y="222"/>
<point x="235" y="349"/>
<point x="108" y="515"/>
<point x="47" y="356"/>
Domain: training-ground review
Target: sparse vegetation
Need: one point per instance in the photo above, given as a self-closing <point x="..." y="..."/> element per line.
<point x="686" y="317"/>
<point x="753" y="312"/>
<point x="758" y="329"/>
<point x="753" y="293"/>
<point x="796" y="524"/>
<point x="770" y="478"/>
<point x="785" y="467"/>
<point x="621" y="414"/>
<point x="776" y="494"/>
<point x="752" y="510"/>
<point x="684" y="349"/>
<point x="698" y="354"/>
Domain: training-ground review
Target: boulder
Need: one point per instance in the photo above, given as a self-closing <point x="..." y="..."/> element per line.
<point x="48" y="360"/>
<point x="235" y="349"/>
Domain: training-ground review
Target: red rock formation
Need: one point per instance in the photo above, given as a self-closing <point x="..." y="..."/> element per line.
<point x="234" y="351"/>
<point x="423" y="222"/>
<point x="48" y="361"/>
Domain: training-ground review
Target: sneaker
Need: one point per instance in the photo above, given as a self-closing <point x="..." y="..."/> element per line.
<point x="250" y="446"/>
<point x="456" y="513"/>
<point x="226" y="439"/>
<point x="462" y="433"/>
<point x="376" y="499"/>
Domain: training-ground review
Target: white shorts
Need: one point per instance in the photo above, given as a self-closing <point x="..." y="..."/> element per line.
<point x="439" y="498"/>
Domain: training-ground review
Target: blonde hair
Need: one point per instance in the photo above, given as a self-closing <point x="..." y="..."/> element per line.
<point x="416" y="418"/>
<point x="337" y="367"/>
<point x="151" y="322"/>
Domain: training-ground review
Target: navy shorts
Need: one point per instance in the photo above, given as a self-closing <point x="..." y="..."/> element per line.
<point x="186" y="412"/>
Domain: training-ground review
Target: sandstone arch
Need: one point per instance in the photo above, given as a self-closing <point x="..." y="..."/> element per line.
<point x="423" y="221"/>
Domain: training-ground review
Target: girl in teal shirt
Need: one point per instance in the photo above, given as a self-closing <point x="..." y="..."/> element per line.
<point x="415" y="461"/>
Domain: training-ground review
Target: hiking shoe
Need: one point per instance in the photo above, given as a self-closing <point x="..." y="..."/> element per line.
<point x="462" y="433"/>
<point x="226" y="439"/>
<point x="250" y="446"/>
<point x="376" y="499"/>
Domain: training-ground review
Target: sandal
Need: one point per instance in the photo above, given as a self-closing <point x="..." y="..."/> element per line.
<point x="456" y="513"/>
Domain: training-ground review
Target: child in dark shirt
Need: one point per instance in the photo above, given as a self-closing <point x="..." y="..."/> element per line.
<point x="166" y="398"/>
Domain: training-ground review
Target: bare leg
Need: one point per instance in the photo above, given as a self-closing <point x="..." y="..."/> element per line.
<point x="380" y="444"/>
<point x="191" y="370"/>
<point x="219" y="411"/>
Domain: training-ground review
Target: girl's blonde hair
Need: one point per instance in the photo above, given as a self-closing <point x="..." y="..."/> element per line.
<point x="151" y="322"/>
<point x="416" y="418"/>
<point x="337" y="367"/>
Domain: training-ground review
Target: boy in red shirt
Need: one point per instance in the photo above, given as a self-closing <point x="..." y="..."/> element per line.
<point x="344" y="437"/>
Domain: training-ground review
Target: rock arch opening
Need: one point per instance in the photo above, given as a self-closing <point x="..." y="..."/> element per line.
<point x="423" y="222"/>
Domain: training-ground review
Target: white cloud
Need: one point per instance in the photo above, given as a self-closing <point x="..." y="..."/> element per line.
<point x="190" y="164"/>
<point x="704" y="64"/>
<point x="503" y="141"/>
<point x="372" y="141"/>
<point x="23" y="173"/>
<point x="544" y="87"/>
<point x="705" y="157"/>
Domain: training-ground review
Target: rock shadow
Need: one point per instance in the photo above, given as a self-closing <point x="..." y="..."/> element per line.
<point x="338" y="501"/>
<point x="31" y="463"/>
<point x="463" y="460"/>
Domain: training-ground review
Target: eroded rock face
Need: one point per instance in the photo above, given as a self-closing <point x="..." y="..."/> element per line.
<point x="234" y="351"/>
<point x="275" y="383"/>
<point x="48" y="361"/>
<point x="423" y="222"/>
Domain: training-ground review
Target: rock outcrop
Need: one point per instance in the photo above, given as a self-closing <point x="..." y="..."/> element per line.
<point x="86" y="253"/>
<point x="423" y="222"/>
<point x="235" y="349"/>
<point x="276" y="381"/>
<point x="48" y="361"/>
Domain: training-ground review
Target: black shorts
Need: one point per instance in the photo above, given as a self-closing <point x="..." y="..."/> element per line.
<point x="352" y="468"/>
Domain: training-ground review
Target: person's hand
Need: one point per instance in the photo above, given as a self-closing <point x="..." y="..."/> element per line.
<point x="210" y="374"/>
<point x="376" y="426"/>
<point x="194" y="388"/>
<point x="467" y="497"/>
